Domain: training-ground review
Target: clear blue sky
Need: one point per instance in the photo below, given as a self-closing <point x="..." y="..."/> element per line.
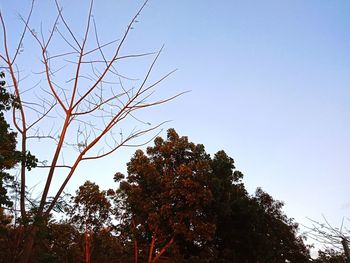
<point x="269" y="81"/>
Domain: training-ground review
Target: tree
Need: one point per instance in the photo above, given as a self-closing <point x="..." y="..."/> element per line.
<point x="91" y="208"/>
<point x="90" y="211"/>
<point x="9" y="157"/>
<point x="73" y="96"/>
<point x="258" y="231"/>
<point x="333" y="238"/>
<point x="166" y="199"/>
<point x="181" y="205"/>
<point x="250" y="228"/>
<point x="59" y="242"/>
<point x="278" y="235"/>
<point x="330" y="256"/>
<point x="230" y="201"/>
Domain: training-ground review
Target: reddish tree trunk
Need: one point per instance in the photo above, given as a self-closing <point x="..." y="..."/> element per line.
<point x="87" y="245"/>
<point x="150" y="256"/>
<point x="25" y="257"/>
<point x="161" y="252"/>
<point x="344" y="242"/>
<point x="136" y="251"/>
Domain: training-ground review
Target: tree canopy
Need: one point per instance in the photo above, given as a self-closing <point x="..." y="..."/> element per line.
<point x="179" y="198"/>
<point x="9" y="156"/>
<point x="167" y="196"/>
<point x="175" y="204"/>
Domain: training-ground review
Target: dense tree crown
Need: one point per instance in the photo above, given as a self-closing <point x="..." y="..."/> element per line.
<point x="175" y="204"/>
<point x="8" y="154"/>
<point x="176" y="194"/>
<point x="167" y="196"/>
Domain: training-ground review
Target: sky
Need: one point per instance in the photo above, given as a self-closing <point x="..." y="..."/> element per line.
<point x="269" y="83"/>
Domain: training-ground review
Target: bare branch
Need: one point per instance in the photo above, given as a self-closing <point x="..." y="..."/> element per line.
<point x="57" y="166"/>
<point x="59" y="10"/>
<point x="42" y="116"/>
<point x="114" y="57"/>
<point x="123" y="143"/>
<point x="23" y="33"/>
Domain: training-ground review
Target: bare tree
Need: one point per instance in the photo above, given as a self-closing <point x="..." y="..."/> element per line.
<point x="335" y="237"/>
<point x="81" y="91"/>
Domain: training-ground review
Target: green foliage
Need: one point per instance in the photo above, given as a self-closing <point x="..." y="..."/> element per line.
<point x="30" y="160"/>
<point x="10" y="237"/>
<point x="7" y="100"/>
<point x="9" y="157"/>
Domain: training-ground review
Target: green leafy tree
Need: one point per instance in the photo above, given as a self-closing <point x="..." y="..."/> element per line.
<point x="9" y="157"/>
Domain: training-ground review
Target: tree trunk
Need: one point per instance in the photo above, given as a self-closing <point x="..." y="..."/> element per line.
<point x="136" y="251"/>
<point x="161" y="252"/>
<point x="87" y="245"/>
<point x="344" y="242"/>
<point x="28" y="246"/>
<point x="150" y="256"/>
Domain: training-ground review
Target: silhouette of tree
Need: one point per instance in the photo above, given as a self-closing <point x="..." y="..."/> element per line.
<point x="177" y="204"/>
<point x="229" y="201"/>
<point x="59" y="242"/>
<point x="249" y="228"/>
<point x="277" y="235"/>
<point x="180" y="202"/>
<point x="330" y="256"/>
